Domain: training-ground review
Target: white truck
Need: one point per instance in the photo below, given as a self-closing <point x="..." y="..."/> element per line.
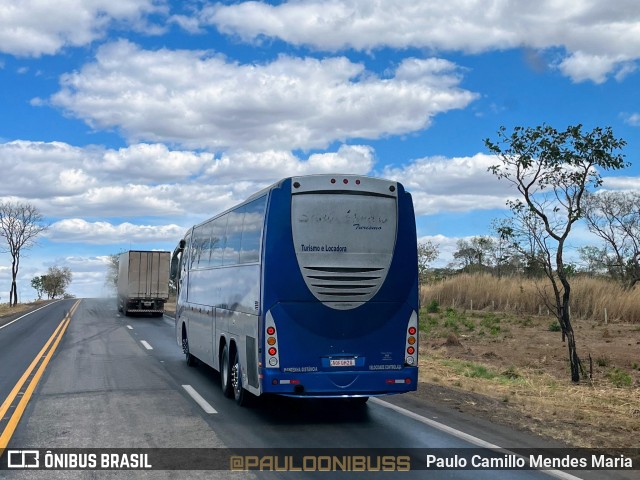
<point x="143" y="282"/>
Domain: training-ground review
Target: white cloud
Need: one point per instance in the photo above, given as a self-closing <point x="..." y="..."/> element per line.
<point x="440" y="184"/>
<point x="150" y="180"/>
<point x="581" y="66"/>
<point x="632" y="119"/>
<point x="34" y="27"/>
<point x="204" y="101"/>
<point x="153" y="162"/>
<point x="77" y="230"/>
<point x="273" y="165"/>
<point x="621" y="183"/>
<point x="600" y="38"/>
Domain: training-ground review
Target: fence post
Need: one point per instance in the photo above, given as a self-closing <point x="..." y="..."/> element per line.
<point x="606" y="317"/>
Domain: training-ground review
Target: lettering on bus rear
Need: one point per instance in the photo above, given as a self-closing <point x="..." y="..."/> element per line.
<point x="323" y="248"/>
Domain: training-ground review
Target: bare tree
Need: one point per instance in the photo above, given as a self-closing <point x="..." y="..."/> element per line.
<point x="552" y="170"/>
<point x="20" y="224"/>
<point x="615" y="218"/>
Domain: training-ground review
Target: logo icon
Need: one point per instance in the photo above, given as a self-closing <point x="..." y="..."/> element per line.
<point x="23" y="459"/>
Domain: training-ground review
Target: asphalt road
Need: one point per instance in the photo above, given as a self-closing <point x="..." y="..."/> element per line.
<point x="22" y="337"/>
<point x="118" y="381"/>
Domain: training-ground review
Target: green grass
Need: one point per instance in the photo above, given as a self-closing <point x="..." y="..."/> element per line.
<point x="619" y="378"/>
<point x="478" y="370"/>
<point x="491" y="323"/>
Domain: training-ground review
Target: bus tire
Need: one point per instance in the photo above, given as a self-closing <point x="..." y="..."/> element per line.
<point x="239" y="393"/>
<point x="191" y="360"/>
<point x="225" y="373"/>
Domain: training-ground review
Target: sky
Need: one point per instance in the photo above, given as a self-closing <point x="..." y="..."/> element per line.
<point x="126" y="122"/>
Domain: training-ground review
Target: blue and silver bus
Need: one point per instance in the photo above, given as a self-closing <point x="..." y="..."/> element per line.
<point x="309" y="288"/>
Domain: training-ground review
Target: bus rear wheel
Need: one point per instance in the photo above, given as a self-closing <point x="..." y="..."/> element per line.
<point x="191" y="360"/>
<point x="240" y="394"/>
<point x="225" y="373"/>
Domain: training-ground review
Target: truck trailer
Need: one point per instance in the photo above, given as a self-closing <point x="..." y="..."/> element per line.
<point x="143" y="282"/>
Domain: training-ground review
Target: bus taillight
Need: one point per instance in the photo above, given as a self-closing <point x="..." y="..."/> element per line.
<point x="271" y="343"/>
<point x="411" y="343"/>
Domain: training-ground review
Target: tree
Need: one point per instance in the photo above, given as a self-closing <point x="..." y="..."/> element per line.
<point x="552" y="170"/>
<point x="427" y="253"/>
<point x="36" y="283"/>
<point x="56" y="281"/>
<point x="476" y="254"/>
<point x="615" y="218"/>
<point x="113" y="269"/>
<point x="20" y="224"/>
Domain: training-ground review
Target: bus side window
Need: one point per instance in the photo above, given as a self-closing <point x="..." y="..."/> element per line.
<point x="194" y="249"/>
<point x="218" y="240"/>
<point x="234" y="234"/>
<point x="252" y="231"/>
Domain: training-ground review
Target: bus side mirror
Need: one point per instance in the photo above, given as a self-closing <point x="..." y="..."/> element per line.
<point x="175" y="261"/>
<point x="174" y="268"/>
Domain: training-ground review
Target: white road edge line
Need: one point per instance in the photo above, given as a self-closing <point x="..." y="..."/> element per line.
<point x="146" y="345"/>
<point x="199" y="400"/>
<point x="27" y="314"/>
<point x="461" y="435"/>
<point x="129" y="327"/>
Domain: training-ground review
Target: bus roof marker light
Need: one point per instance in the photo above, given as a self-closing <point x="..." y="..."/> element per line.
<point x="333" y="180"/>
<point x="296" y="184"/>
<point x="392" y="188"/>
<point x="358" y="181"/>
<point x="345" y="181"/>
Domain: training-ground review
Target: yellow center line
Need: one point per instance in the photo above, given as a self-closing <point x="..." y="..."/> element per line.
<point x="26" y="396"/>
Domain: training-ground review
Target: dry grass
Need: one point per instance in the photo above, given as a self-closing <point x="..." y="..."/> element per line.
<point x="584" y="415"/>
<point x="521" y="365"/>
<point x="6" y="310"/>
<point x="589" y="296"/>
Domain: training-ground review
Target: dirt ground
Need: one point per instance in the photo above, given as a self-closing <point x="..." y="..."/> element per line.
<point x="515" y="372"/>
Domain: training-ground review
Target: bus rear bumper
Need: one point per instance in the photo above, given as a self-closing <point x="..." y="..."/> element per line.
<point x="340" y="384"/>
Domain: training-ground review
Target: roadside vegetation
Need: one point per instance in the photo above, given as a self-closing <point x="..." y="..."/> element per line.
<point x="511" y="366"/>
<point x="6" y="309"/>
<point x="593" y="298"/>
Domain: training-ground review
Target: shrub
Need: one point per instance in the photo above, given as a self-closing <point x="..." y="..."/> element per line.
<point x="619" y="378"/>
<point x="554" y="326"/>
<point x="433" y="307"/>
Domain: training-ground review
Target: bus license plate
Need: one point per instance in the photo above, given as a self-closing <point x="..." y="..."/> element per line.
<point x="342" y="362"/>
